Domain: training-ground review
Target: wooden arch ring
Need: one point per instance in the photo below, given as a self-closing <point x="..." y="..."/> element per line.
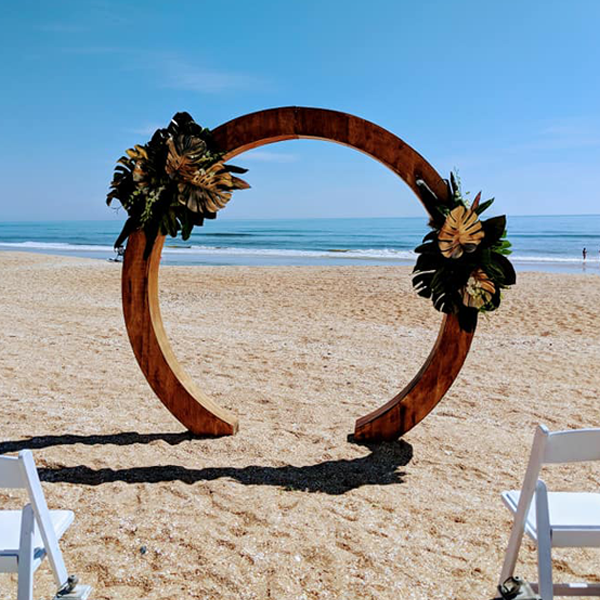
<point x="175" y="388"/>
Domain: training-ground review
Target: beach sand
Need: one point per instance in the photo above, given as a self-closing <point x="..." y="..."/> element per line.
<point x="288" y="508"/>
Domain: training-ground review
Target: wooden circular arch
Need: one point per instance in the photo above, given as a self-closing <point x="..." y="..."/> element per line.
<point x="175" y="388"/>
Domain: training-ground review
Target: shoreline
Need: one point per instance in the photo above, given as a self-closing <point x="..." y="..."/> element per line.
<point x="233" y="259"/>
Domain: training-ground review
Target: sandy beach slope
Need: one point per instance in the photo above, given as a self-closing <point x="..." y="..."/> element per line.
<point x="288" y="508"/>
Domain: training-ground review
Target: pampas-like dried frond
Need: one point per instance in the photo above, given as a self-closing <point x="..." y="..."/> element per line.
<point x="479" y="289"/>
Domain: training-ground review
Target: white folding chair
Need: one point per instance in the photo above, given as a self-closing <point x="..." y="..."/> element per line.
<point x="27" y="536"/>
<point x="560" y="519"/>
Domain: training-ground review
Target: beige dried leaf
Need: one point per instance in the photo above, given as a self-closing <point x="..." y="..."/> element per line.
<point x="137" y="152"/>
<point x="209" y="189"/>
<point x="184" y="157"/>
<point x="479" y="289"/>
<point x="461" y="232"/>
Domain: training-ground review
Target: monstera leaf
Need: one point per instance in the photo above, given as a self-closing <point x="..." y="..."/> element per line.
<point x="436" y="209"/>
<point x="502" y="269"/>
<point x="425" y="268"/>
<point x="461" y="232"/>
<point x="173" y="182"/>
<point x="185" y="157"/>
<point x="461" y="265"/>
<point x="210" y="189"/>
<point x="494" y="229"/>
<point x="123" y="184"/>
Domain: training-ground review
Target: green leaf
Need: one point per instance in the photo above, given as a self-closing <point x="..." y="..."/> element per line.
<point x="151" y="231"/>
<point x="455" y="187"/>
<point x="163" y="225"/>
<point x="422" y="284"/>
<point x="172" y="223"/>
<point x="467" y="318"/>
<point x="114" y="194"/>
<point x="186" y="224"/>
<point x="493" y="229"/>
<point x="503" y="246"/>
<point x="485" y="258"/>
<point x="484" y="206"/>
<point x="437" y="282"/>
<point x="427" y="248"/>
<point x="196" y="218"/>
<point x="428" y="262"/>
<point x="494" y="303"/>
<point x="431" y="202"/>
<point x="128" y="228"/>
<point x="233" y="169"/>
<point x="509" y="277"/>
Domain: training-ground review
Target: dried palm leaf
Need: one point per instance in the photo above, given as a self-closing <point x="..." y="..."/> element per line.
<point x="137" y="152"/>
<point x="138" y="158"/>
<point x="461" y="232"/>
<point x="210" y="189"/>
<point x="479" y="289"/>
<point x="185" y="156"/>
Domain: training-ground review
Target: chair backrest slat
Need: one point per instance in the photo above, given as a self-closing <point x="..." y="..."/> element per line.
<point x="572" y="446"/>
<point x="42" y="516"/>
<point x="11" y="473"/>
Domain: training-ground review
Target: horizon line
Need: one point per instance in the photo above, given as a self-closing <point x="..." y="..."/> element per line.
<point x="258" y="219"/>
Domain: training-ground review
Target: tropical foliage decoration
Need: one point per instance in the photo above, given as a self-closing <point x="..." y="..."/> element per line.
<point x="462" y="265"/>
<point x="173" y="182"/>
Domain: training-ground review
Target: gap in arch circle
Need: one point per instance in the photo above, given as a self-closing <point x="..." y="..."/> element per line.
<point x="274" y="365"/>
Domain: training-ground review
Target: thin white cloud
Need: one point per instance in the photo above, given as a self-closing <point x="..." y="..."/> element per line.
<point x="116" y="13"/>
<point x="269" y="157"/>
<point x="169" y="70"/>
<point x="565" y="134"/>
<point x="180" y="75"/>
<point x="569" y="137"/>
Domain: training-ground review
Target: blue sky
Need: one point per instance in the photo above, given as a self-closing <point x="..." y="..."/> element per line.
<point x="507" y="92"/>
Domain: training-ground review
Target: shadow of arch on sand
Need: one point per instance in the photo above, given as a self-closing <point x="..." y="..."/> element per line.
<point x="380" y="467"/>
<point x="125" y="438"/>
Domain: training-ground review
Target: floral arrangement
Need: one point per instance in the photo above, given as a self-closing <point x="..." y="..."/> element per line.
<point x="173" y="182"/>
<point x="462" y="264"/>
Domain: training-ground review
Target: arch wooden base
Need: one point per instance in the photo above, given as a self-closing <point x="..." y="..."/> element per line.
<point x="427" y="388"/>
<point x="146" y="332"/>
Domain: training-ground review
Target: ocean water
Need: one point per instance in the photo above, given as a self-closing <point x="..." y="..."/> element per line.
<point x="540" y="243"/>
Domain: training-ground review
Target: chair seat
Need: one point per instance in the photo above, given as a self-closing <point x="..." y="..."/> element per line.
<point x="10" y="534"/>
<point x="574" y="517"/>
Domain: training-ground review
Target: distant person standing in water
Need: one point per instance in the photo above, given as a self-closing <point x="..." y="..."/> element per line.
<point x="584" y="254"/>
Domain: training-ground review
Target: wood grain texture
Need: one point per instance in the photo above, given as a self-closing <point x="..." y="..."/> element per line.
<point x="140" y="280"/>
<point x="293" y="122"/>
<point x="170" y="382"/>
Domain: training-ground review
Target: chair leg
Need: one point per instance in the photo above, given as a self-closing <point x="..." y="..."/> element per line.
<point x="25" y="568"/>
<point x="512" y="552"/>
<point x="544" y="542"/>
